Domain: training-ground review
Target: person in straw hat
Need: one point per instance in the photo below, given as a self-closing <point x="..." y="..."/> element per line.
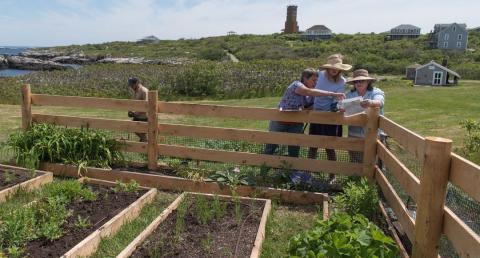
<point x="298" y="95"/>
<point x="330" y="78"/>
<point x="372" y="97"/>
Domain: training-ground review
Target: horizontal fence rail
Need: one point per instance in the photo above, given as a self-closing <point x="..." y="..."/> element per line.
<point x="256" y="136"/>
<point x="276" y="161"/>
<point x="253" y="113"/>
<point x="465" y="175"/>
<point x="465" y="241"/>
<point x="412" y="142"/>
<point x="90" y="102"/>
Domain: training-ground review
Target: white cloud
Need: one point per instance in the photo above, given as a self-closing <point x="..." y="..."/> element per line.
<point x="82" y="21"/>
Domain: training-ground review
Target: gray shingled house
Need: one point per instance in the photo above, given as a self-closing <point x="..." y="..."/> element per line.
<point x="436" y="75"/>
<point x="452" y="36"/>
<point x="410" y="71"/>
<point x="404" y="31"/>
<point x="149" y="39"/>
<point x="317" y="32"/>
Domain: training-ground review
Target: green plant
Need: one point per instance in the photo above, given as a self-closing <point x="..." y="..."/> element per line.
<point x="231" y="178"/>
<point x="81" y="147"/>
<point x="204" y="213"/>
<point x="180" y="219"/>
<point x="207" y="243"/>
<point x="82" y="223"/>
<point x="472" y="140"/>
<point x="343" y="236"/>
<point x="237" y="207"/>
<point x="14" y="252"/>
<point x="358" y="197"/>
<point x="219" y="208"/>
<point x="129" y="187"/>
<point x="8" y="176"/>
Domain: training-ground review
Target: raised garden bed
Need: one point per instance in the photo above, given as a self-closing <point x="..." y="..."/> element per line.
<point x="69" y="219"/>
<point x="13" y="178"/>
<point x="204" y="225"/>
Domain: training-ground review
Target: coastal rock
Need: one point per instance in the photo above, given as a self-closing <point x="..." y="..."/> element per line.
<point x="74" y="59"/>
<point x="27" y="63"/>
<point x="123" y="60"/>
<point x="3" y="62"/>
<point x="41" y="54"/>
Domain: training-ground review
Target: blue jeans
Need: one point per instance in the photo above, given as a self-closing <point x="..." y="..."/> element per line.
<point x="276" y="126"/>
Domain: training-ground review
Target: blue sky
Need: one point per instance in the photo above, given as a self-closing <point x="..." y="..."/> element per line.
<point x="65" y="22"/>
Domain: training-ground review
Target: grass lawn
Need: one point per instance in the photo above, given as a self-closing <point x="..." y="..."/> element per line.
<point x="429" y="111"/>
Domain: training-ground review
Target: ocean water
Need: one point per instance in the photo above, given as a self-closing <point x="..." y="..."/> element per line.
<point x="12" y="50"/>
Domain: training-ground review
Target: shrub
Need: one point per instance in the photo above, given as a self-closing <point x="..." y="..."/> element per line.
<point x="343" y="236"/>
<point x="358" y="197"/>
<point x="471" y="148"/>
<point x="80" y="147"/>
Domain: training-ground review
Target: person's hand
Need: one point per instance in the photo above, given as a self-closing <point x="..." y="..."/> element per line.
<point x="339" y="96"/>
<point x="341" y="110"/>
<point x="365" y="103"/>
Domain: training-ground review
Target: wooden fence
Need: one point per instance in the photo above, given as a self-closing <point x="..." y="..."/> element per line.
<point x="439" y="165"/>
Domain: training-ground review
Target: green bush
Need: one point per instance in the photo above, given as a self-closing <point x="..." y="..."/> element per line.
<point x="471" y="148"/>
<point x="358" y="197"/>
<point x="80" y="147"/>
<point x="343" y="236"/>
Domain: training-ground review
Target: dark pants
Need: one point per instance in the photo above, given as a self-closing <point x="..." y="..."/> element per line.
<point x="328" y="130"/>
<point x="276" y="126"/>
<point x="142" y="136"/>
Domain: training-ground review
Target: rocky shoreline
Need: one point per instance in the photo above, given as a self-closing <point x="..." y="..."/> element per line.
<point x="39" y="60"/>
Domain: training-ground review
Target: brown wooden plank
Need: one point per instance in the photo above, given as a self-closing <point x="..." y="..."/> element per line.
<point x="463" y="238"/>
<point x="152" y="150"/>
<point x="125" y="253"/>
<point x="465" y="175"/>
<point x="409" y="182"/>
<point x="26" y="107"/>
<point x="97" y="123"/>
<point x="130" y="146"/>
<point x="255" y="113"/>
<point x="431" y="198"/>
<point x="89" y="102"/>
<point x="29" y="185"/>
<point x="276" y="161"/>
<point x="182" y="184"/>
<point x="256" y="136"/>
<point x="412" y="142"/>
<point x="326" y="212"/>
<point x="257" y="246"/>
<point x="393" y="232"/>
<point x="395" y="203"/>
<point x="370" y="146"/>
<point x="89" y="245"/>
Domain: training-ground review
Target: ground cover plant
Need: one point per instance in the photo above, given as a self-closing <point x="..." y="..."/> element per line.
<point x="206" y="227"/>
<point x="80" y="147"/>
<point x="57" y="217"/>
<point x="343" y="235"/>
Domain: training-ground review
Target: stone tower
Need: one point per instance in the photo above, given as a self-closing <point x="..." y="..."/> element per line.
<point x="291" y="25"/>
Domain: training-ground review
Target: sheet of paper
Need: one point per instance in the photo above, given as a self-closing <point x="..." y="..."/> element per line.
<point x="352" y="106"/>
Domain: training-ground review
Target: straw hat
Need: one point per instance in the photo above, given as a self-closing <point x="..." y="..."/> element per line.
<point x="360" y="75"/>
<point x="336" y="62"/>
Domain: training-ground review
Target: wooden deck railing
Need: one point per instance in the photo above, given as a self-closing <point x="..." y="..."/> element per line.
<point x="439" y="165"/>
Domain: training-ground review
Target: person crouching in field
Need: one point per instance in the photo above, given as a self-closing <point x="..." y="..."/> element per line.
<point x="329" y="79"/>
<point x="140" y="92"/>
<point x="299" y="95"/>
<point x="372" y="97"/>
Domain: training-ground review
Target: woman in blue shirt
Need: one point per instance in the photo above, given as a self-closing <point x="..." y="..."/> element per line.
<point x="299" y="95"/>
<point x="372" y="97"/>
<point x="329" y="79"/>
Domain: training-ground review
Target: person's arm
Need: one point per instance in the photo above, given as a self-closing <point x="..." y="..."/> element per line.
<point x="377" y="101"/>
<point x="305" y="91"/>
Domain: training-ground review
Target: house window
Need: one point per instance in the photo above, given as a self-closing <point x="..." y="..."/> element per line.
<point x="445" y="44"/>
<point x="446" y="36"/>
<point x="454" y="28"/>
<point x="459" y="36"/>
<point x="459" y="44"/>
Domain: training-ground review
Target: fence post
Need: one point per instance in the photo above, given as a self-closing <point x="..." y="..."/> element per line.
<point x="26" y="107"/>
<point x="431" y="200"/>
<point x="152" y="129"/>
<point x="370" y="147"/>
